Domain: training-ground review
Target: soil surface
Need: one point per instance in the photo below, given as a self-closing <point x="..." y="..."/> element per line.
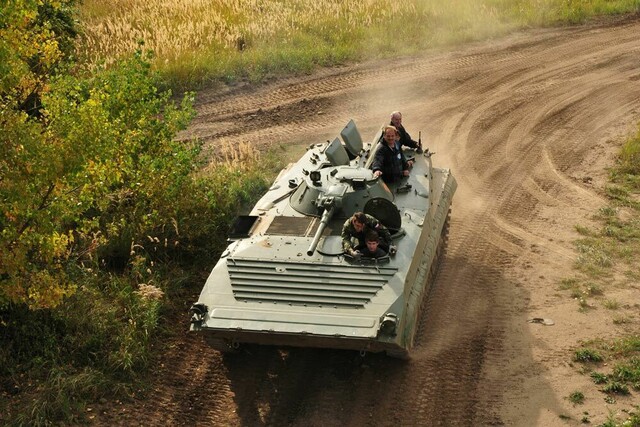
<point x="528" y="124"/>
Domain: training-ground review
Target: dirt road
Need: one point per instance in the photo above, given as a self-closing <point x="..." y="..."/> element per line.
<point x="527" y="124"/>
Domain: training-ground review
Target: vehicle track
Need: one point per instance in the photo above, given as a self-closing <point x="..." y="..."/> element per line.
<point x="518" y="121"/>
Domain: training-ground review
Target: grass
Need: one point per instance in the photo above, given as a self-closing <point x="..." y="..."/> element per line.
<point x="611" y="304"/>
<point x="577" y="398"/>
<point x="613" y="248"/>
<point x="223" y="41"/>
<point x="587" y="355"/>
<point x="624" y="355"/>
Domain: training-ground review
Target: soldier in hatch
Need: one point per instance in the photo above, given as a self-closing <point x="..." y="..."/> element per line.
<point x="389" y="161"/>
<point x="355" y="229"/>
<point x="372" y="247"/>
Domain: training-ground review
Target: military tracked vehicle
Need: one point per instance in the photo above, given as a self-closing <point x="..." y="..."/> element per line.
<point x="284" y="279"/>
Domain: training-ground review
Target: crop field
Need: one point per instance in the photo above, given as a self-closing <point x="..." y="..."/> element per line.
<point x="198" y="42"/>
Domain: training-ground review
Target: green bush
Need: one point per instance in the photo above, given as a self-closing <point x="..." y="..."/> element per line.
<point x="104" y="211"/>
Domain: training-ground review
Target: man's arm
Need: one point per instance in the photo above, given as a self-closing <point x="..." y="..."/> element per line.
<point x="378" y="164"/>
<point x="407" y="140"/>
<point x="346" y="234"/>
<point x="378" y="160"/>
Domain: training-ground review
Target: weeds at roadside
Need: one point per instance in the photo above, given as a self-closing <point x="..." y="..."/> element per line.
<point x="615" y="387"/>
<point x="633" y="275"/>
<point x="577" y="398"/>
<point x="623" y="356"/>
<point x="584" y="231"/>
<point x="594" y="257"/>
<point x="611" y="304"/>
<point x="621" y="320"/>
<point x="617" y="242"/>
<point x="587" y="355"/>
<point x="599" y="378"/>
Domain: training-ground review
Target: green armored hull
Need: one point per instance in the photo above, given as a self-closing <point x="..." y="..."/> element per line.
<point x="284" y="280"/>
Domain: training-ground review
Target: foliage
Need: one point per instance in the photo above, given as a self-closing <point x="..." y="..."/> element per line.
<point x="614" y="387"/>
<point x="102" y="208"/>
<point x="90" y="181"/>
<point x="599" y="378"/>
<point x="35" y="39"/>
<point x="616" y="244"/>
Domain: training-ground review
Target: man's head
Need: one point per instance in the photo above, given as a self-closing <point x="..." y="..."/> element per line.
<point x="390" y="135"/>
<point x="396" y="119"/>
<point x="358" y="220"/>
<point x="372" y="240"/>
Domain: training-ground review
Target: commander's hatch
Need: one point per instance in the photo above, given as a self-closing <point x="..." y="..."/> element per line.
<point x="373" y="147"/>
<point x="336" y="153"/>
<point x="352" y="139"/>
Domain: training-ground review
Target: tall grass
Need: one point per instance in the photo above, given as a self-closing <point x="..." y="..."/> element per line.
<point x="198" y="42"/>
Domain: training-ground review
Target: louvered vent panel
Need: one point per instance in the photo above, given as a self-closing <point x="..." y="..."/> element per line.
<point x="306" y="283"/>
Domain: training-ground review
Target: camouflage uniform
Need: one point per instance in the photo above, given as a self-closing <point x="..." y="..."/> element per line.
<point x="351" y="239"/>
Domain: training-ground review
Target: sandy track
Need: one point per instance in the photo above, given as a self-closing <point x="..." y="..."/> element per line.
<point x="526" y="124"/>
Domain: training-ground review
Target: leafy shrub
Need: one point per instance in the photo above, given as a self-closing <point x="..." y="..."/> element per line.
<point x="102" y="174"/>
<point x="102" y="205"/>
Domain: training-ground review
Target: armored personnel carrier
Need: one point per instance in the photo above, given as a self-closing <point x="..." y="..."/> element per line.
<point x="284" y="279"/>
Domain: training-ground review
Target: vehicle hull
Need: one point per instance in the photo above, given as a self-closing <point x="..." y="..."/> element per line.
<point x="273" y="286"/>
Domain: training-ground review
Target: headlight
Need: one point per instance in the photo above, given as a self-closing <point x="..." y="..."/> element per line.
<point x="388" y="324"/>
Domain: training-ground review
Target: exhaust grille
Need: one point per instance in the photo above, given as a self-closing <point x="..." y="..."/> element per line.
<point x="306" y="284"/>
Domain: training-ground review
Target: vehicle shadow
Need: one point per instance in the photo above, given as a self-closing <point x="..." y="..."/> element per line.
<point x="474" y="355"/>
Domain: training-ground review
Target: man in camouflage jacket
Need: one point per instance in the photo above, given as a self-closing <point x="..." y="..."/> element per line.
<point x="355" y="229"/>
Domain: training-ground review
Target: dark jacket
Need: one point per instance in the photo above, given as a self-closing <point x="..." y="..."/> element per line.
<point x="377" y="254"/>
<point x="405" y="138"/>
<point x="391" y="162"/>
